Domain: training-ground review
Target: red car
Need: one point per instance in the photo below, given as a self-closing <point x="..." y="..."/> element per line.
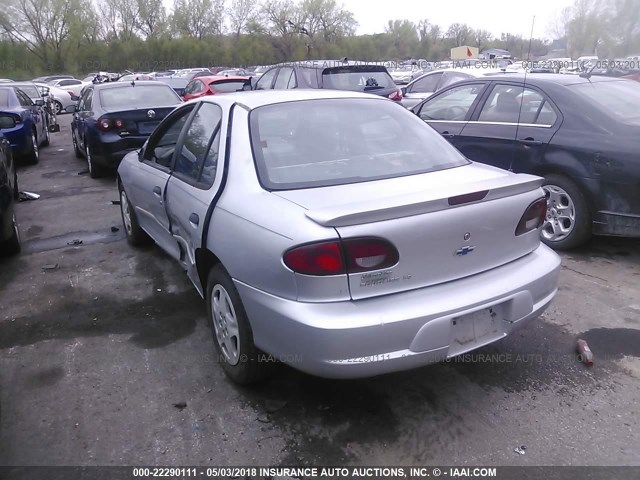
<point x="214" y="85"/>
<point x="633" y="76"/>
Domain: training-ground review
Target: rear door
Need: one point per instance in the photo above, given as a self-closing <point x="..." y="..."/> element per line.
<point x="511" y="129"/>
<point x="194" y="181"/>
<point x="448" y="112"/>
<point x="149" y="180"/>
<point x="283" y="80"/>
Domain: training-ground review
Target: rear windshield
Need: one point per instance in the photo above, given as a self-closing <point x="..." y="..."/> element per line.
<point x="356" y="79"/>
<point x="140" y="96"/>
<point x="618" y="98"/>
<point x="31" y="91"/>
<point x="316" y="143"/>
<point x="4" y="98"/>
<point x="227" y="86"/>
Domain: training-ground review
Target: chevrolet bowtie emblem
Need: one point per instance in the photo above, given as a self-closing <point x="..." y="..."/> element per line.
<point x="466" y="250"/>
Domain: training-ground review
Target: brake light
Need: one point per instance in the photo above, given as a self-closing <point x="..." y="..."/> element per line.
<point x="104" y="124"/>
<point x="396" y="96"/>
<point x="337" y="258"/>
<point x="533" y="217"/>
<point x="118" y="123"/>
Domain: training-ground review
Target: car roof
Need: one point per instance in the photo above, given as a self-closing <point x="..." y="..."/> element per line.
<point x="103" y="86"/>
<point x="258" y="98"/>
<point x="214" y="78"/>
<point x="553" y="78"/>
<point x="330" y="63"/>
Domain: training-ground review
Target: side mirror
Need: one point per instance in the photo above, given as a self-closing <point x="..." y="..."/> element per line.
<point x="247" y="87"/>
<point x="403" y="90"/>
<point x="39" y="102"/>
<point x="7" y="122"/>
<point x="72" y="108"/>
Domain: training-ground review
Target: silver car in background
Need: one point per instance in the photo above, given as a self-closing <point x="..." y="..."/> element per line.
<point x="337" y="232"/>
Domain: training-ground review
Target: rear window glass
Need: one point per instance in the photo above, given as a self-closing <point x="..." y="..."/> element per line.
<point x="4" y="98"/>
<point x="140" y="96"/>
<point x="31" y="91"/>
<point x="620" y="98"/>
<point x="359" y="80"/>
<point x="228" y="86"/>
<point x="325" y="142"/>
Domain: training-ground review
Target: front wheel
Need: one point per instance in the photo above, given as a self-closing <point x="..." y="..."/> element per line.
<point x="57" y="107"/>
<point x="95" y="171"/>
<point x="568" y="221"/>
<point x="232" y="335"/>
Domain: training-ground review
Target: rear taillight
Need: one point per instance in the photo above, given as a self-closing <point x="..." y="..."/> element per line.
<point x="106" y="124"/>
<point x="533" y="217"/>
<point x="396" y="96"/>
<point x="336" y="258"/>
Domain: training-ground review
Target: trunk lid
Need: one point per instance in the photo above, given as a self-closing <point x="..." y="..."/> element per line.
<point x="445" y="225"/>
<point x="140" y="121"/>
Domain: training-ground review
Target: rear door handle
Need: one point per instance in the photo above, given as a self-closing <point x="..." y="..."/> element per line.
<point x="157" y="191"/>
<point x="530" y="141"/>
<point x="194" y="219"/>
<point x="446" y="134"/>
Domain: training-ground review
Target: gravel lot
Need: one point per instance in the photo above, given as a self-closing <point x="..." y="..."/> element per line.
<point x="95" y="352"/>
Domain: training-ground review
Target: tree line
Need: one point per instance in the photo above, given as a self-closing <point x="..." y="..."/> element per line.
<point x="79" y="36"/>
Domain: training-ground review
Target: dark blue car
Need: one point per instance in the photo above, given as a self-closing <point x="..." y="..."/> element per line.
<point x="30" y="123"/>
<point x="9" y="237"/>
<point x="115" y="118"/>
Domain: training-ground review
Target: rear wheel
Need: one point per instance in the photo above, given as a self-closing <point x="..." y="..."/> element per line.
<point x="34" y="154"/>
<point x="568" y="221"/>
<point x="76" y="150"/>
<point x="47" y="140"/>
<point x="12" y="245"/>
<point x="95" y="171"/>
<point x="135" y="235"/>
<point x="57" y="107"/>
<point x="232" y="335"/>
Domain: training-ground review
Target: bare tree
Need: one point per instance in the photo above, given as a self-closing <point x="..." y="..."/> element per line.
<point x="460" y="33"/>
<point x="198" y="18"/>
<point x="241" y="14"/>
<point x="152" y="17"/>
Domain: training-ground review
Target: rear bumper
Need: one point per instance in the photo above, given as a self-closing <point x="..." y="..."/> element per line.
<point x="19" y="137"/>
<point x="109" y="150"/>
<point x="404" y="330"/>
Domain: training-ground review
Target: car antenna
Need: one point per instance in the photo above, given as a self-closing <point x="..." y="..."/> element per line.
<point x="587" y="75"/>
<point x="524" y="84"/>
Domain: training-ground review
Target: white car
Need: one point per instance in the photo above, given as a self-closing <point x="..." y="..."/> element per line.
<point x="426" y="85"/>
<point x="62" y="99"/>
<point x="336" y="229"/>
<point x="70" y="85"/>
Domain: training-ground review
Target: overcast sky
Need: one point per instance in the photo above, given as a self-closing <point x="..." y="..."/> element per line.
<point x="496" y="16"/>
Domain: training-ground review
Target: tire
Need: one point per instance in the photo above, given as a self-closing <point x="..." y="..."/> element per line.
<point x="232" y="335"/>
<point x="47" y="140"/>
<point x="76" y="150"/>
<point x="568" y="222"/>
<point x="12" y="245"/>
<point x="16" y="189"/>
<point x="136" y="236"/>
<point x="57" y="107"/>
<point x="33" y="157"/>
<point x="95" y="171"/>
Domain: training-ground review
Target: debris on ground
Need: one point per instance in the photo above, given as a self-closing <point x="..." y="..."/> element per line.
<point x="520" y="450"/>
<point x="322" y="408"/>
<point x="180" y="405"/>
<point x="50" y="266"/>
<point x="26" y="196"/>
<point x="116" y="202"/>
<point x="263" y="419"/>
<point x="83" y="172"/>
<point x="114" y="229"/>
<point x="585" y="355"/>
<point x="75" y="242"/>
<point x="274" y="405"/>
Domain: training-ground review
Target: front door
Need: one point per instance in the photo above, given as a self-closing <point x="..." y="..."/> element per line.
<point x="195" y="178"/>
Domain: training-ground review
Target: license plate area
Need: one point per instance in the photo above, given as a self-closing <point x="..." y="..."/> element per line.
<point x="147" y="127"/>
<point x="475" y="329"/>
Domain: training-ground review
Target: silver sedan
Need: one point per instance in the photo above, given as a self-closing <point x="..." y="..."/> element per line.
<point x="337" y="232"/>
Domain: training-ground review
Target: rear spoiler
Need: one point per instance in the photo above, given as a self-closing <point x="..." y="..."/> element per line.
<point x="418" y="203"/>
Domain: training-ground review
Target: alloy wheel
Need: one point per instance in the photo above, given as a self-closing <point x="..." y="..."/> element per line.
<point x="561" y="214"/>
<point x="225" y="324"/>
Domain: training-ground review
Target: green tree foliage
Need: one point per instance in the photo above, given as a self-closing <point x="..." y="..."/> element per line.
<point x="81" y="36"/>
